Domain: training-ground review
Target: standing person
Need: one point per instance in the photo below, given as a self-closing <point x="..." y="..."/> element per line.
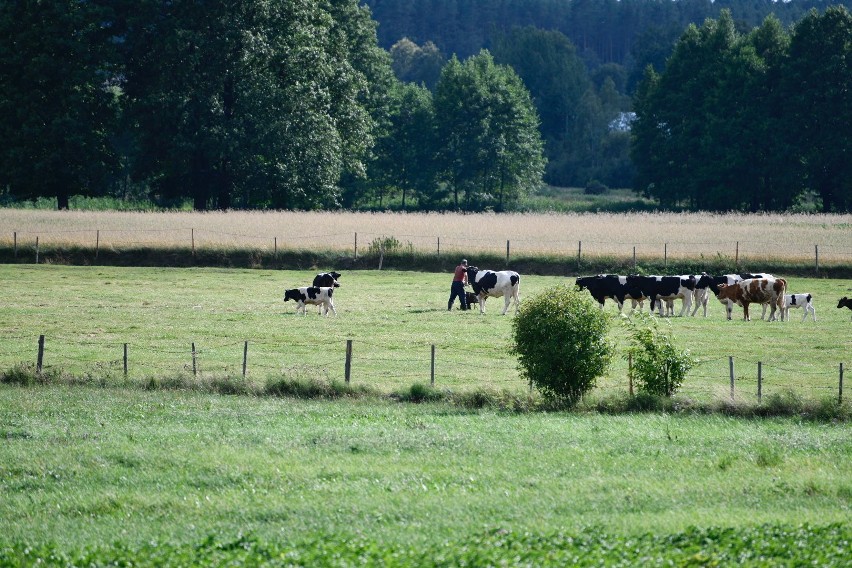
<point x="457" y="289"/>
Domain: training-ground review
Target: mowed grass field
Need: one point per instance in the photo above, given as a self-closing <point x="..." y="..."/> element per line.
<point x="88" y="314"/>
<point x="93" y="475"/>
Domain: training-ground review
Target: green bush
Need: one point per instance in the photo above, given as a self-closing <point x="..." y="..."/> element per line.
<point x="560" y="338"/>
<point x="659" y="367"/>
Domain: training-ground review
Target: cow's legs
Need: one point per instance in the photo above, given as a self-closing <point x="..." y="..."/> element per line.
<point x="482" y="299"/>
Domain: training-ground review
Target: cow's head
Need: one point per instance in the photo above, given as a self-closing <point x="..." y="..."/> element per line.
<point x="845" y="303"/>
<point x="583" y="282"/>
<point x="336" y="276"/>
<point x="471" y="273"/>
<point x="293" y="294"/>
<point x="727" y="292"/>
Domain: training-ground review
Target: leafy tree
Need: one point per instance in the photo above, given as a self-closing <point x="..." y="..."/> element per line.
<point x="560" y="338"/>
<point x="253" y="102"/>
<point x="819" y="91"/>
<point x="415" y="64"/>
<point x="57" y="98"/>
<point x="406" y="153"/>
<point x="488" y="128"/>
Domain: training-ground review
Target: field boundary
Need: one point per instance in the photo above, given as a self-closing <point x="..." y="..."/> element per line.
<point x="248" y="363"/>
<point x="567" y="264"/>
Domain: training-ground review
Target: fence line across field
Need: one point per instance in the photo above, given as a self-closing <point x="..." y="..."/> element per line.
<point x="383" y="243"/>
<point x="429" y="364"/>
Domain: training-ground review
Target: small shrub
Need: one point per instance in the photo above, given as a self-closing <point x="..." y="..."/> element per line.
<point x="560" y="338"/>
<point x="418" y="392"/>
<point x="386" y="244"/>
<point x="659" y="367"/>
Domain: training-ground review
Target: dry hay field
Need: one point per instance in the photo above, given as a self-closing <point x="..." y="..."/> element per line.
<point x="789" y="237"/>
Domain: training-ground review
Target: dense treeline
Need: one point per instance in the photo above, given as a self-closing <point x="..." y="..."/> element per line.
<point x="295" y="104"/>
<point x="247" y="104"/>
<point x="750" y="121"/>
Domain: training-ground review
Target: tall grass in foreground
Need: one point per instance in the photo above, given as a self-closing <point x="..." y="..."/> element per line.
<point x="748" y="238"/>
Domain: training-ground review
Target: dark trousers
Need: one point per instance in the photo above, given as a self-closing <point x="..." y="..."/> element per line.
<point x="457" y="289"/>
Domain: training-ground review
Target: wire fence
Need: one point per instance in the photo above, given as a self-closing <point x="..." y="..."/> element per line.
<point x="30" y="245"/>
<point x="391" y="369"/>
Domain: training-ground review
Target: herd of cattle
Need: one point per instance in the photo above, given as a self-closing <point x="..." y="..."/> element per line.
<point x="695" y="289"/>
<point x="692" y="289"/>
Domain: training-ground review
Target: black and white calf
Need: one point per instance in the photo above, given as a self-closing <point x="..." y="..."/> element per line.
<point x="487" y="284"/>
<point x="326" y="279"/>
<point x="798" y="301"/>
<point x="314" y="295"/>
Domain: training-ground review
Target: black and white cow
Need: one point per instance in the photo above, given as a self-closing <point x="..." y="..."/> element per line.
<point x="661" y="289"/>
<point x="326" y="279"/>
<point x="487" y="283"/>
<point x="611" y="286"/>
<point x="797" y="301"/>
<point x="314" y="295"/>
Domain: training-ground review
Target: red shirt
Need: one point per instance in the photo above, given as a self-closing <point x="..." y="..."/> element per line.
<point x="460" y="274"/>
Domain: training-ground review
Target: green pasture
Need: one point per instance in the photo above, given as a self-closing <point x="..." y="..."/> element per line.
<point x="101" y="471"/>
<point x="182" y="477"/>
<point x="88" y="314"/>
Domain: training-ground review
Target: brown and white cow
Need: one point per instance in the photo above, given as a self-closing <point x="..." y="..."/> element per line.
<point x="754" y="291"/>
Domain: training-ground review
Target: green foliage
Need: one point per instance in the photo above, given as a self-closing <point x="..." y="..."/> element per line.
<point x="729" y="123"/>
<point x="659" y="366"/>
<point x="491" y="150"/>
<point x="822" y="545"/>
<point x="560" y="338"/>
<point x="386" y="245"/>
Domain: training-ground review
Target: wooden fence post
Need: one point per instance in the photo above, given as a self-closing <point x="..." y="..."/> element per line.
<point x="439" y="247"/>
<point x="432" y="381"/>
<point x="245" y="358"/>
<point x="97" y="242"/>
<point x="840" y="389"/>
<point x="665" y="255"/>
<point x="40" y="359"/>
<point x="125" y="360"/>
<point x="634" y="259"/>
<point x="737" y="256"/>
<point x="630" y="373"/>
<point x="579" y="254"/>
<point x="507" y="252"/>
<point x="816" y="257"/>
<point x="36" y="250"/>
<point x="731" y="366"/>
<point x="356" y="246"/>
<point x="348" y="368"/>
<point x="275" y="246"/>
<point x="194" y="366"/>
<point x="15" y="241"/>
<point x="759" y="381"/>
<point x="381" y="253"/>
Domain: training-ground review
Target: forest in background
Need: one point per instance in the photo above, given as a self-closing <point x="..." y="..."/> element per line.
<point x="276" y="104"/>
